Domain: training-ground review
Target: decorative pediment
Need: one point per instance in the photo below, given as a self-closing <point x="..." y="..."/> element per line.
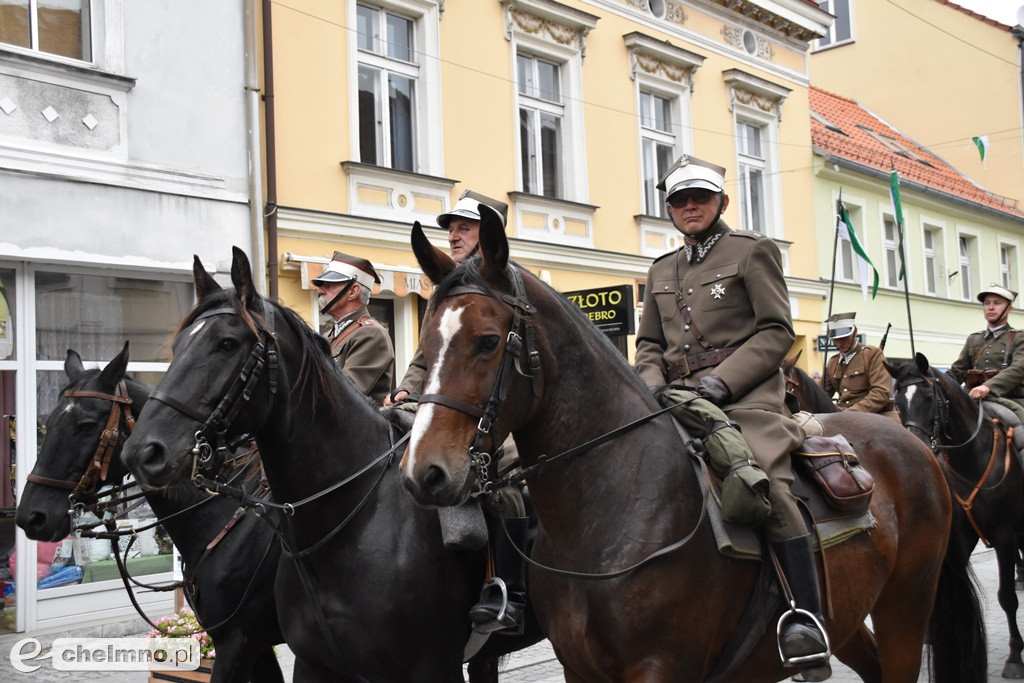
<point x="661" y="58"/>
<point x="755" y="92"/>
<point x="549" y="20"/>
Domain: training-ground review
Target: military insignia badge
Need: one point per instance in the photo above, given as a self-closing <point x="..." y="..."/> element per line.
<point x="717" y="291"/>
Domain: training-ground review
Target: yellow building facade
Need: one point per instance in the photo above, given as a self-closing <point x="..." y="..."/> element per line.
<point x="385" y="111"/>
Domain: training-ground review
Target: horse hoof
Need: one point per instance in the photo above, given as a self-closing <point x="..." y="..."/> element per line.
<point x="1013" y="670"/>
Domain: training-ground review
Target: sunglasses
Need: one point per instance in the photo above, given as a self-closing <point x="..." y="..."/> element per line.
<point x="700" y="197"/>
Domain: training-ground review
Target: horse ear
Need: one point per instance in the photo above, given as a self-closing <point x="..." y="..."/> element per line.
<point x="115" y="369"/>
<point x="893" y="370"/>
<point x="205" y="284"/>
<point x="435" y="263"/>
<point x="493" y="245"/>
<point x="922" y="363"/>
<point x="73" y="367"/>
<point x="241" y="277"/>
<point x="791" y="362"/>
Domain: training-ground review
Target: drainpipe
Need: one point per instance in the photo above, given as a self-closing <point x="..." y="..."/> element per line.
<point x="271" y="147"/>
<point x="1018" y="33"/>
<point x="252" y="120"/>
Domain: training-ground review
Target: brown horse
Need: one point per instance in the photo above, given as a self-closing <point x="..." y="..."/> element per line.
<point x="808" y="393"/>
<point x="506" y="353"/>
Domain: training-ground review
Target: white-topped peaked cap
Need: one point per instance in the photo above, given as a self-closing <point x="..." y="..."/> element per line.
<point x="841" y="325"/>
<point x="344" y="267"/>
<point x="468" y="206"/>
<point x="993" y="288"/>
<point x="692" y="173"/>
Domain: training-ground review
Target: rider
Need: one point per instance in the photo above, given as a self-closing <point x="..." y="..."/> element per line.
<point x="717" y="316"/>
<point x="360" y="345"/>
<point x="991" y="363"/>
<point x="498" y="610"/>
<point x="857" y="372"/>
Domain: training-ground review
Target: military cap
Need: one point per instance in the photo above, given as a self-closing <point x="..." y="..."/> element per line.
<point x="841" y="325"/>
<point x="993" y="288"/>
<point x="689" y="172"/>
<point x="344" y="267"/>
<point x="468" y="206"/>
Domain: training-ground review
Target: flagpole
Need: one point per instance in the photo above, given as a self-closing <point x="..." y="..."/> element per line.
<point x="903" y="260"/>
<point x="832" y="284"/>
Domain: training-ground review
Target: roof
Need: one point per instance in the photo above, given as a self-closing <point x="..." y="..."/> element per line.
<point x="971" y="13"/>
<point x="842" y="128"/>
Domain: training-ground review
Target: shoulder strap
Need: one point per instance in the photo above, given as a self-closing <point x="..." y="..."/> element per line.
<point x="1011" y="336"/>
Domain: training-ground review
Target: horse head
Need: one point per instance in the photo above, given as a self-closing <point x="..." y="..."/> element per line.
<point x="79" y="453"/>
<point x="484" y="377"/>
<point x="220" y="386"/>
<point x="922" y="397"/>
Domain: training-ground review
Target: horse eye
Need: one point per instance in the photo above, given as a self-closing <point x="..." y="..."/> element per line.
<point x="86" y="427"/>
<point x="488" y="343"/>
<point x="228" y="344"/>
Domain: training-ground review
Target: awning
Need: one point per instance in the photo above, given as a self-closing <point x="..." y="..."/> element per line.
<point x="398" y="280"/>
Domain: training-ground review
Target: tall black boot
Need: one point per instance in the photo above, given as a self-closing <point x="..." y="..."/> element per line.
<point x="801" y="631"/>
<point x="503" y="598"/>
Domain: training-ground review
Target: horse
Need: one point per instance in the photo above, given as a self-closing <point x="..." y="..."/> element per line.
<point x="366" y="588"/>
<point x="809" y="394"/>
<point x="230" y="587"/>
<point x="625" y="575"/>
<point x="984" y="476"/>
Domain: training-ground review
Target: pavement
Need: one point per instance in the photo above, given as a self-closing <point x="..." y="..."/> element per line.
<point x="538" y="663"/>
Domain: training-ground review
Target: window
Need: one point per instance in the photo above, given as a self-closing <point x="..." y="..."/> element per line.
<point x="967" y="260"/>
<point x="841" y="30"/>
<point x="934" y="273"/>
<point x="55" y="27"/>
<point x="890" y="249"/>
<point x="388" y="75"/>
<point x="847" y="268"/>
<point x="1007" y="263"/>
<point x="657" y="147"/>
<point x="541" y="113"/>
<point x="752" y="167"/>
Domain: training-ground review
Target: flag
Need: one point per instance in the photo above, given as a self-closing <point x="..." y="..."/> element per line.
<point x="897" y="211"/>
<point x="981" y="142"/>
<point x="847" y="233"/>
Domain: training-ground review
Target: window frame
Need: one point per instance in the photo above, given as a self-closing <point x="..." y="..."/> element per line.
<point x="1008" y="270"/>
<point x="937" y="253"/>
<point x="890" y="251"/>
<point x="844" y="252"/>
<point x="653" y="198"/>
<point x="968" y="262"/>
<point x="537" y="106"/>
<point x="830" y="39"/>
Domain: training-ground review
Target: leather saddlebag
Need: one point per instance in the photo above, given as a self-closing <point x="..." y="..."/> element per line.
<point x="833" y="465"/>
<point x="975" y="377"/>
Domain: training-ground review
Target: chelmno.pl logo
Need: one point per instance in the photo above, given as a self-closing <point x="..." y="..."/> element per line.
<point x="108" y="654"/>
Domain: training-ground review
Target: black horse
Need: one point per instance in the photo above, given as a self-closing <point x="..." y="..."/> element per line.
<point x="366" y="589"/>
<point x="981" y="468"/>
<point x="230" y="589"/>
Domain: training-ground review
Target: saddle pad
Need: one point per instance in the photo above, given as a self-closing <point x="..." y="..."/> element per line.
<point x="997" y="408"/>
<point x="742" y="542"/>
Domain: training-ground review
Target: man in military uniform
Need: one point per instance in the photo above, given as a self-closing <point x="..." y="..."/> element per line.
<point x="857" y="372"/>
<point x="991" y="364"/>
<point x="716" y="316"/>
<point x="360" y="345"/>
<point x="494" y="612"/>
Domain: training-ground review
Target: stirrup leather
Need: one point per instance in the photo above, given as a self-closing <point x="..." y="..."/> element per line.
<point x="803" y="660"/>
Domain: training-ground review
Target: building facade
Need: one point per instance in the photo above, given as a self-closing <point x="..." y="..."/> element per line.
<point x="124" y="150"/>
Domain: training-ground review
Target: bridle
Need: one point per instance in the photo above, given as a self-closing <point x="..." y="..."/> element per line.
<point x="520" y="353"/>
<point x="83" y="491"/>
<point x="209" y="458"/>
<point x="940" y="418"/>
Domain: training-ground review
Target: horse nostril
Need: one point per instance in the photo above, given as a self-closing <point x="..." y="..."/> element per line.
<point x="434" y="480"/>
<point x="36" y="520"/>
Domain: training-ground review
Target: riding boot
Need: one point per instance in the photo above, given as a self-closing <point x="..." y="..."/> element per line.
<point x="503" y="598"/>
<point x="803" y="642"/>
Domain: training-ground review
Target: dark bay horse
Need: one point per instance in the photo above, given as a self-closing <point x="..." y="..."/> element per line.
<point x="366" y="589"/>
<point x="808" y="392"/>
<point x="230" y="589"/>
<point x="506" y="353"/>
<point x="982" y="471"/>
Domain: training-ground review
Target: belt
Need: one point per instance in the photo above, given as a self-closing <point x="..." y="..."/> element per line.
<point x="691" y="364"/>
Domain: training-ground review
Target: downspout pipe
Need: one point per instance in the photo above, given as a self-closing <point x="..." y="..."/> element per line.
<point x="270" y="211"/>
<point x="252" y="120"/>
<point x="1018" y="33"/>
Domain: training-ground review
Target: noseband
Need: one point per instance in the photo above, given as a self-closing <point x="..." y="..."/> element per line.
<point x="206" y="458"/>
<point x="84" y="490"/>
<point x="520" y="352"/>
<point x="940" y="419"/>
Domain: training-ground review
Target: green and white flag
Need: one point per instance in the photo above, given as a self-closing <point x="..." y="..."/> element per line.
<point x="897" y="211"/>
<point x="847" y="233"/>
<point x="981" y="142"/>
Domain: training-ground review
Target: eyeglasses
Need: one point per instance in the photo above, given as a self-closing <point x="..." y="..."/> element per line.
<point x="700" y="197"/>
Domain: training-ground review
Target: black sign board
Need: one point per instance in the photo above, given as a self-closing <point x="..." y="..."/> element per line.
<point x="825" y="343"/>
<point x="610" y="308"/>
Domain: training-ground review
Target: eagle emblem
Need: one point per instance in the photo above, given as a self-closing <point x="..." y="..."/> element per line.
<point x="717" y="291"/>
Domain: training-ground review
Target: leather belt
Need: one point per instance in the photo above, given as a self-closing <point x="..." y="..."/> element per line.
<point x="691" y="364"/>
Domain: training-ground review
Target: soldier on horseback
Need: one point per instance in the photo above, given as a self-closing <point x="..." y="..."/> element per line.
<point x="717" y="316"/>
<point x="857" y="373"/>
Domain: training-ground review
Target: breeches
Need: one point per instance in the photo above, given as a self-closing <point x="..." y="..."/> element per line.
<point x="771" y="437"/>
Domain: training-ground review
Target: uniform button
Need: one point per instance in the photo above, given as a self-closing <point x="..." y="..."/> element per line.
<point x="690" y="290"/>
<point x="686" y="347"/>
<point x="718" y="275"/>
<point x="686" y="328"/>
<point x="688" y="308"/>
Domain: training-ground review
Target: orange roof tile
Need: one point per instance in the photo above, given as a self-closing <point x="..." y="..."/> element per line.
<point x="870" y="141"/>
<point x="972" y="13"/>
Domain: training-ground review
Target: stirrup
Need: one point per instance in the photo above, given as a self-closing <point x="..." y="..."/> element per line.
<point x="502" y="620"/>
<point x="802" y="661"/>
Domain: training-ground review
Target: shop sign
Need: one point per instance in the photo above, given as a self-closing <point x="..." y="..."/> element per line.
<point x="610" y="308"/>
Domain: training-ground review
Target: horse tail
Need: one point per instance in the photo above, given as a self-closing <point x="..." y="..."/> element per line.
<point x="957" y="628"/>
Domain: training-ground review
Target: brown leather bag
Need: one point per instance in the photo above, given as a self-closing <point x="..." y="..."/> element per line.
<point x="975" y="377"/>
<point x="831" y="462"/>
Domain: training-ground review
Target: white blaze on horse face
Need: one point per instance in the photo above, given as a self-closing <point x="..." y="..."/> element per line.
<point x="199" y="326"/>
<point x="449" y="326"/>
<point x="911" y="390"/>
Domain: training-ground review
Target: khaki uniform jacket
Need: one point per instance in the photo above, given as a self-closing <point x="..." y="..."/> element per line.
<point x="863" y="385"/>
<point x="416" y="375"/>
<point x="1008" y="383"/>
<point x="738" y="298"/>
<point x="362" y="349"/>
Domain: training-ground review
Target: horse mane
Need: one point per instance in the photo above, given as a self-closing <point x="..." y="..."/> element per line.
<point x="468" y="273"/>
